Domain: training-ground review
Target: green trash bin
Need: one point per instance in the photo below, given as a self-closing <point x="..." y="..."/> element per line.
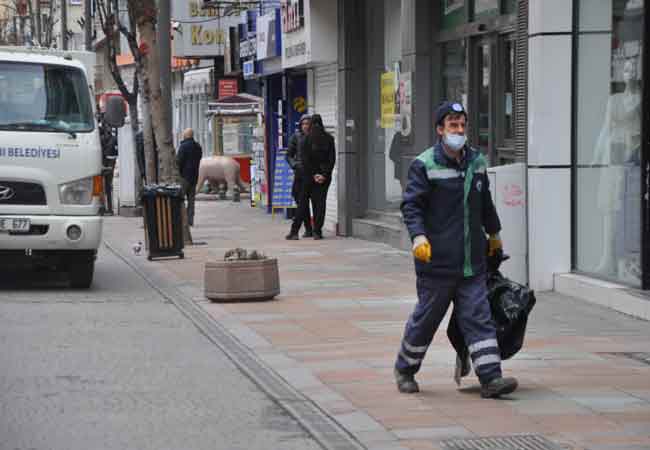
<point x="163" y="221"/>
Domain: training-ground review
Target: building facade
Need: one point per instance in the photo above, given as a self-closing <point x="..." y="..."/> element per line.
<point x="555" y="91"/>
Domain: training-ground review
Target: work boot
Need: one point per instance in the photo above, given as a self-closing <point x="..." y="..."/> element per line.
<point x="308" y="234"/>
<point x="406" y="383"/>
<point x="498" y="387"/>
<point x="292" y="237"/>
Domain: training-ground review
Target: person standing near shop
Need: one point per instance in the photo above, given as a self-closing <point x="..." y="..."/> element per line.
<point x="448" y="210"/>
<point x="109" y="156"/>
<point x="188" y="160"/>
<point x="320" y="160"/>
<point x="295" y="158"/>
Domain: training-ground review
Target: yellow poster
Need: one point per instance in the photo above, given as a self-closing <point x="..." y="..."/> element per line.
<point x="388" y="100"/>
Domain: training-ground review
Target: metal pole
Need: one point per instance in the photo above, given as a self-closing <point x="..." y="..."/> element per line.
<point x="88" y="25"/>
<point x="64" y="24"/>
<point x="164" y="42"/>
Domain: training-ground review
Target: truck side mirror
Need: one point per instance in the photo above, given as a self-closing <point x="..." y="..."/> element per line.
<point x="115" y="112"/>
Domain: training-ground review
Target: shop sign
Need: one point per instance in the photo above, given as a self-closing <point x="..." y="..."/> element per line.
<point x="249" y="68"/>
<point x="296" y="45"/>
<point x="293" y="15"/>
<point x="268" y="35"/>
<point x="405" y="101"/>
<point x="197" y="35"/>
<point x="228" y="87"/>
<point x="248" y="48"/>
<point x="388" y="100"/>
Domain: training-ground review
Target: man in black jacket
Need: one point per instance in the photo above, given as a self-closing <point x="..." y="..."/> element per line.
<point x="188" y="160"/>
<point x="295" y="158"/>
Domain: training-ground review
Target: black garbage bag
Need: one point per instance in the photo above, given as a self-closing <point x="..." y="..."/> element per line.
<point x="510" y="303"/>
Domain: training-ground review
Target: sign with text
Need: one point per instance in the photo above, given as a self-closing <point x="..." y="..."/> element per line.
<point x="387" y="100"/>
<point x="296" y="44"/>
<point x="228" y="87"/>
<point x="201" y="32"/>
<point x="268" y="35"/>
<point x="282" y="182"/>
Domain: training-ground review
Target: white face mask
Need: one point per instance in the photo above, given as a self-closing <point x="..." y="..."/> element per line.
<point x="454" y="142"/>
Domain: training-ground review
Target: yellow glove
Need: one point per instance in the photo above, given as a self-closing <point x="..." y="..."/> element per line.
<point x="422" y="248"/>
<point x="494" y="244"/>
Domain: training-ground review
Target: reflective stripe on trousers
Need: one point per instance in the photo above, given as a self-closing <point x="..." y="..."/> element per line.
<point x="474" y="319"/>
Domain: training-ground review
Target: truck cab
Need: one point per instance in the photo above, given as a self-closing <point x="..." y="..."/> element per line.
<point x="51" y="189"/>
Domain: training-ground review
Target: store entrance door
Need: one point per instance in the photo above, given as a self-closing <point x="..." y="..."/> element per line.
<point x="492" y="87"/>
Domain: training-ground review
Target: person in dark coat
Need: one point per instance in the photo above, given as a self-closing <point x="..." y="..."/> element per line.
<point x="295" y="157"/>
<point x="188" y="160"/>
<point x="109" y="155"/>
<point x="320" y="157"/>
<point x="448" y="211"/>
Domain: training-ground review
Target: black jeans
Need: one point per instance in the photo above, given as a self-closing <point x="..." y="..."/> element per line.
<point x="108" y="187"/>
<point x="296" y="192"/>
<point x="317" y="193"/>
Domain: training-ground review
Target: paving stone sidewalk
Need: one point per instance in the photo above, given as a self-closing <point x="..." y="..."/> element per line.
<point x="334" y="331"/>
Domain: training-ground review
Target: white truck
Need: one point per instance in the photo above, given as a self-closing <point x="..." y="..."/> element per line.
<point x="51" y="188"/>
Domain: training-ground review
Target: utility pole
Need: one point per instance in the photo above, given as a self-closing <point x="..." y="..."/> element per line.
<point x="88" y="25"/>
<point x="64" y="24"/>
<point x="164" y="41"/>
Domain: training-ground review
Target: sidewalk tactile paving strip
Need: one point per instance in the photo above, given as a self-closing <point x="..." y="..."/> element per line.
<point x="520" y="442"/>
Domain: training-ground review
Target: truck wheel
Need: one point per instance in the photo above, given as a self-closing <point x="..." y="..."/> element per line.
<point x="81" y="274"/>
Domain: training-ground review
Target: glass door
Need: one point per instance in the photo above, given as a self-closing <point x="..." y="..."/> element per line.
<point x="492" y="119"/>
<point x="480" y="124"/>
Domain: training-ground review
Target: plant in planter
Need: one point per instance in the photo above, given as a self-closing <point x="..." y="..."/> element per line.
<point x="242" y="276"/>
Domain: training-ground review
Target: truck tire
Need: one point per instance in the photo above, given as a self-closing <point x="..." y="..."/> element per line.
<point x="80" y="275"/>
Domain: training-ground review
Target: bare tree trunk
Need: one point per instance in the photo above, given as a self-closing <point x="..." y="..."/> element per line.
<point x="151" y="162"/>
<point x="39" y="36"/>
<point x="32" y="24"/>
<point x="145" y="14"/>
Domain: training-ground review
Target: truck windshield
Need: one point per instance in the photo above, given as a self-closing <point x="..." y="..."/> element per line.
<point x="37" y="97"/>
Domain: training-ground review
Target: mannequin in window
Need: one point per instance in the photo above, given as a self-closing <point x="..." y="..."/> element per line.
<point x="617" y="150"/>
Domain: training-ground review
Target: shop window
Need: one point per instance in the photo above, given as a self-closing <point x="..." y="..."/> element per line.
<point x="509" y="6"/>
<point x="454" y="72"/>
<point x="608" y="140"/>
<point x="454" y="13"/>
<point x="485" y="8"/>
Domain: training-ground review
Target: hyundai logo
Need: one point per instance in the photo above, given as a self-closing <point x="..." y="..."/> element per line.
<point x="6" y="193"/>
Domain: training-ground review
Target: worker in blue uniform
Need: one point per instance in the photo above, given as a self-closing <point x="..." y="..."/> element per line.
<point x="448" y="211"/>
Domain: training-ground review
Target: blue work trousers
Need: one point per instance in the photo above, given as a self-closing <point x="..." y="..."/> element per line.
<point x="474" y="319"/>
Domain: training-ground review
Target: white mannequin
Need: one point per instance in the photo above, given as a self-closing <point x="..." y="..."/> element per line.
<point x="619" y="139"/>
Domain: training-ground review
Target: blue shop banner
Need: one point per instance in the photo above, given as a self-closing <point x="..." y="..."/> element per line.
<point x="282" y="182"/>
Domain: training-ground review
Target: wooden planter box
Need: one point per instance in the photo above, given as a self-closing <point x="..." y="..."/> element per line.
<point x="231" y="281"/>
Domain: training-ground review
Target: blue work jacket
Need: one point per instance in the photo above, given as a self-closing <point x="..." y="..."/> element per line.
<point x="449" y="202"/>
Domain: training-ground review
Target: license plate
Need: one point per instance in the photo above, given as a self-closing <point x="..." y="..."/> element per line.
<point x="14" y="224"/>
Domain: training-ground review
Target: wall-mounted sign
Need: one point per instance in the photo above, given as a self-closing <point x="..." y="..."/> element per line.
<point x="293" y="15"/>
<point x="228" y="87"/>
<point x="311" y="42"/>
<point x="405" y="124"/>
<point x="388" y="100"/>
<point x="296" y="44"/>
<point x="269" y="35"/>
<point x="249" y="68"/>
<point x="201" y="32"/>
<point x="248" y="48"/>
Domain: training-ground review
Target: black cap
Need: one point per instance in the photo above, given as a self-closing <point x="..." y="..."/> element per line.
<point x="446" y="108"/>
